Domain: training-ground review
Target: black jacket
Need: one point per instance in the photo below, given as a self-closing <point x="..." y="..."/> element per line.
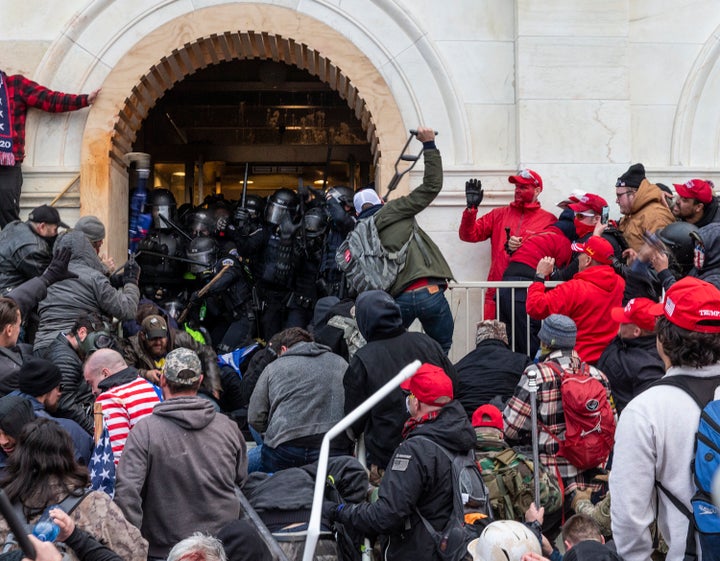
<point x="11" y="359"/>
<point x="630" y="365"/>
<point x="77" y="399"/>
<point x="492" y="369"/>
<point x="23" y="254"/>
<point x="417" y="477"/>
<point x="389" y="349"/>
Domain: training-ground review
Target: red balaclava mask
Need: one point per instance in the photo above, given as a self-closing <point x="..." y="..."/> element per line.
<point x="524" y="193"/>
<point x="582" y="228"/>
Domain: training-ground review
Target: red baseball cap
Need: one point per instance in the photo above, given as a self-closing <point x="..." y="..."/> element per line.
<point x="692" y="304"/>
<point x="597" y="248"/>
<point x="430" y="385"/>
<point x="589" y="202"/>
<point x="696" y="189"/>
<point x="526" y="177"/>
<point x="636" y="311"/>
<point x="488" y="416"/>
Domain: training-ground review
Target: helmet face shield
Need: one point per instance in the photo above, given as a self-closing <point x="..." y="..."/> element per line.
<point x="203" y="254"/>
<point x="281" y="203"/>
<point x="161" y="204"/>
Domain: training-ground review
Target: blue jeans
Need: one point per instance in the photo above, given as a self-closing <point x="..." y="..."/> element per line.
<point x="432" y="310"/>
<point x="284" y="456"/>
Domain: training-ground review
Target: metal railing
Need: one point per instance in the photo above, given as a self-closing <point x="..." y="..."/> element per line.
<point x="467" y="302"/>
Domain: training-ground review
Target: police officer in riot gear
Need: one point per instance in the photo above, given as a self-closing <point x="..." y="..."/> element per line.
<point x="162" y="207"/>
<point x="273" y="270"/>
<point x="308" y="248"/>
<point x="341" y="213"/>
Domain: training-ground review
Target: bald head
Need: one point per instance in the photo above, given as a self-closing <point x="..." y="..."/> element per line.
<point x="101" y="364"/>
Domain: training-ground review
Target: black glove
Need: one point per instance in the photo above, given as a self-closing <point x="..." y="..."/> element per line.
<point x="288" y="229"/>
<point x="131" y="273"/>
<point x="473" y="193"/>
<point x="116" y="280"/>
<point x="221" y="224"/>
<point x="241" y="216"/>
<point x="57" y="270"/>
<point x="330" y="510"/>
<point x="194" y="300"/>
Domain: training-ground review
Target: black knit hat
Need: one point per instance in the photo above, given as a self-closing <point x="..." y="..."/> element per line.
<point x="15" y="413"/>
<point x="38" y="377"/>
<point x="633" y="177"/>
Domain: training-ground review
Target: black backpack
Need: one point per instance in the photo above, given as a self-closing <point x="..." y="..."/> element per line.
<point x="470" y="495"/>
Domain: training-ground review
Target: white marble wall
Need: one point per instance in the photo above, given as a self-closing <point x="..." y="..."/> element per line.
<point x="576" y="89"/>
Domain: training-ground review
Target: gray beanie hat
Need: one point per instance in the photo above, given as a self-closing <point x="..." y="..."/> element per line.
<point x="490" y="329"/>
<point x="558" y="332"/>
<point x="92" y="228"/>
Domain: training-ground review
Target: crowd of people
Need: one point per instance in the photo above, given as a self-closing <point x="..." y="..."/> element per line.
<point x="129" y="393"/>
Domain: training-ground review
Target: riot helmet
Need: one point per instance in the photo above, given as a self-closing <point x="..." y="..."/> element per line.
<point x="202" y="251"/>
<point x="283" y="202"/>
<point x="173" y="307"/>
<point x="255" y="206"/>
<point x="678" y="238"/>
<point x="315" y="222"/>
<point x="161" y="204"/>
<point x="343" y="195"/>
<point x="201" y="223"/>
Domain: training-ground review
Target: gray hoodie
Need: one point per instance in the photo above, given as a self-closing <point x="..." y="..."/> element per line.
<point x="90" y="292"/>
<point x="299" y="394"/>
<point x="179" y="472"/>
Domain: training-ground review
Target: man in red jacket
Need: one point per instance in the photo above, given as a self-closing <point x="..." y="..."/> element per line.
<point x="587" y="298"/>
<point x="504" y="226"/>
<point x="17" y="95"/>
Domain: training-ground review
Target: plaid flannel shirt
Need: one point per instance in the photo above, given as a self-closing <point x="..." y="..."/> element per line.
<point x="517" y="417"/>
<point x="24" y="93"/>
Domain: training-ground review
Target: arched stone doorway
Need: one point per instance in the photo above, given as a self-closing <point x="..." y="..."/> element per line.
<point x="163" y="57"/>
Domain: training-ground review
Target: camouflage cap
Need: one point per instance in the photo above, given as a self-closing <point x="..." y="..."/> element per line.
<point x="491" y="329"/>
<point x="182" y="366"/>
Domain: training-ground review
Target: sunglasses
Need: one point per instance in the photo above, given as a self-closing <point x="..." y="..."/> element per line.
<point x="585" y="214"/>
<point x="629" y="191"/>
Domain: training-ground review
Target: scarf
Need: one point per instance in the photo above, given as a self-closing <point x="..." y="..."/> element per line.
<point x="6" y="142"/>
<point x="413" y="422"/>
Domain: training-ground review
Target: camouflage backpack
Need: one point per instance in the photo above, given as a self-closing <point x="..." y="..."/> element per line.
<point x="508" y="475"/>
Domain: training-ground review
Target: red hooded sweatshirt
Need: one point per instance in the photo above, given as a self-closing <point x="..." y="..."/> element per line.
<point x="587" y="299"/>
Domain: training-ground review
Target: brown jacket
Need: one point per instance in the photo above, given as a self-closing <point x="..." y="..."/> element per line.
<point x="649" y="213"/>
<point x="136" y="354"/>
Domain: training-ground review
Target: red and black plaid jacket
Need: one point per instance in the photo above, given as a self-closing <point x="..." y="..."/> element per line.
<point x="24" y="93"/>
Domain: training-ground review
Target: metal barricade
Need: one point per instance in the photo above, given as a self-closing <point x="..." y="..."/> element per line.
<point x="467" y="302"/>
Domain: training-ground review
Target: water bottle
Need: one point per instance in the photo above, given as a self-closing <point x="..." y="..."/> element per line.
<point x="45" y="529"/>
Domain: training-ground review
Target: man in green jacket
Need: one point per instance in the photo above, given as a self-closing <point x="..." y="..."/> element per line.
<point x="420" y="286"/>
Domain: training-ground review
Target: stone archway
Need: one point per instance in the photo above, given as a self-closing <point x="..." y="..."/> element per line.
<point x="192" y="41"/>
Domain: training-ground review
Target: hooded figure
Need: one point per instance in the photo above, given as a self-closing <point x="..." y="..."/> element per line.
<point x="90" y="292"/>
<point x="389" y="348"/>
<point x="707" y="254"/>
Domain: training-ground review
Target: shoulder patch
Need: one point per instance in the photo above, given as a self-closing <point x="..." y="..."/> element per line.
<point x="401" y="462"/>
<point x="227" y="261"/>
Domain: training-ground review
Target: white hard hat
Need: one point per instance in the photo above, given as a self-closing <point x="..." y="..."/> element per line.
<point x="504" y="540"/>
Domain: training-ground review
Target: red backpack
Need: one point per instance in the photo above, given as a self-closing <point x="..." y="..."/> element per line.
<point x="589" y="418"/>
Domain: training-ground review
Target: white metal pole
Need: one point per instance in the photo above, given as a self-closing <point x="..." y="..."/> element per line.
<point x="313" y="531"/>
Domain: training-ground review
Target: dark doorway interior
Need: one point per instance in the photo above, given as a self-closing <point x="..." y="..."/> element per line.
<point x="282" y="121"/>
